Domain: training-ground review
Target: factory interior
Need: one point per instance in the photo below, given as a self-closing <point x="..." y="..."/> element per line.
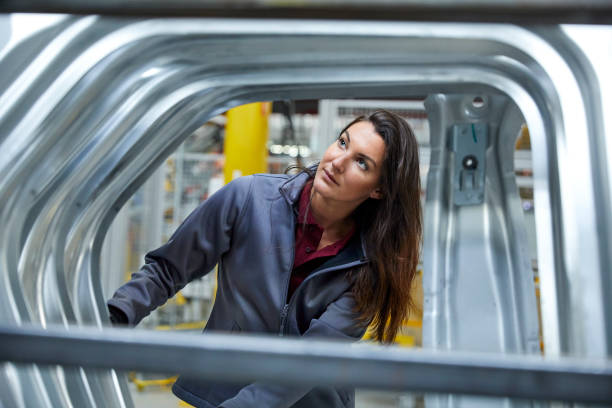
<point x="118" y="124"/>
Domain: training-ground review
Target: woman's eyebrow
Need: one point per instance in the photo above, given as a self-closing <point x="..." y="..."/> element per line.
<point x="365" y="156"/>
<point x="348" y="136"/>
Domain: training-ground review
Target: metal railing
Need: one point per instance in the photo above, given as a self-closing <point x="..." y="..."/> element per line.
<point x="232" y="358"/>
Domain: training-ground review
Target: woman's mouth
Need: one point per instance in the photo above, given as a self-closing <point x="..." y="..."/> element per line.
<point x="330" y="177"/>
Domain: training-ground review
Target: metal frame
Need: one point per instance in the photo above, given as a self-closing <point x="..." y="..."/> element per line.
<point x="83" y="123"/>
<point x="478" y="285"/>
<point x="223" y="357"/>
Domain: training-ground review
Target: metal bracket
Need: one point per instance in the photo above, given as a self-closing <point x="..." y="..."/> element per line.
<point x="469" y="142"/>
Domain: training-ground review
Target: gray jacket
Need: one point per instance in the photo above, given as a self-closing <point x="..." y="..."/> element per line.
<point x="248" y="228"/>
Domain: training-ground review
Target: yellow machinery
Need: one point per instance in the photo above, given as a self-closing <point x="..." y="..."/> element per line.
<point x="246" y="135"/>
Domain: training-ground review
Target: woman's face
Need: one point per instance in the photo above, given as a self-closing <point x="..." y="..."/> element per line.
<point x="351" y="167"/>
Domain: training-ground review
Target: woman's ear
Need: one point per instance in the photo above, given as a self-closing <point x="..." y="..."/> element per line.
<point x="376" y="194"/>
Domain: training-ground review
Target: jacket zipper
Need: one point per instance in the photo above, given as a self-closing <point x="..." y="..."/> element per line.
<point x="283" y="319"/>
<point x="285" y="309"/>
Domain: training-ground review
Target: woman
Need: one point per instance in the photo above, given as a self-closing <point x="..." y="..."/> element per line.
<point x="319" y="254"/>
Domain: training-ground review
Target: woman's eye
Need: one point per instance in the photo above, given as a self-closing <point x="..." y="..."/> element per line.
<point x="341" y="142"/>
<point x="362" y="163"/>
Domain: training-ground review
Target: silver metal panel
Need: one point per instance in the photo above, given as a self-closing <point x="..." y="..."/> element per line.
<point x="595" y="63"/>
<point x="469" y="143"/>
<point x="90" y="106"/>
<point x="478" y="285"/>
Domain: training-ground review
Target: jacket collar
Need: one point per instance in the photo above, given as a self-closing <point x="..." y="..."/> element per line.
<point x="292" y="188"/>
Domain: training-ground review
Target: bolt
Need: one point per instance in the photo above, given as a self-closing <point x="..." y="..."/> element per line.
<point x="470" y="162"/>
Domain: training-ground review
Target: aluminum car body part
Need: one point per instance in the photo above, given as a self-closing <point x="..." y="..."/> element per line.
<point x="478" y="285"/>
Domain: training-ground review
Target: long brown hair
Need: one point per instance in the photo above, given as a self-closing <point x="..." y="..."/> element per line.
<point x="393" y="227"/>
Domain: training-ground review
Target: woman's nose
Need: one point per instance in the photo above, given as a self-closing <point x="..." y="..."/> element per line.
<point x="338" y="163"/>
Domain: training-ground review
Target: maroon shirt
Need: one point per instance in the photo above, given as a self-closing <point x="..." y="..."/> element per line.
<point x="307" y="237"/>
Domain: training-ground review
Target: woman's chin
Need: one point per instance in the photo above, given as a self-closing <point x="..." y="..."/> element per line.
<point x="319" y="185"/>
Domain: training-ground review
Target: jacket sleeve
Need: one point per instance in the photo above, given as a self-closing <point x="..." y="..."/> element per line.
<point x="192" y="251"/>
<point x="339" y="321"/>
